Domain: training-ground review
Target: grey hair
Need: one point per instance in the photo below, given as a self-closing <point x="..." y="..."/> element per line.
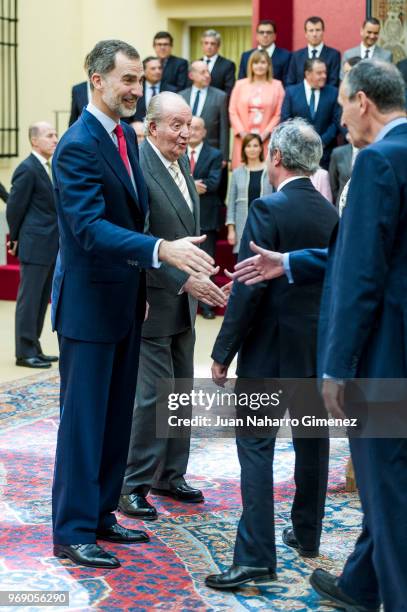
<point x="213" y="34"/>
<point x="381" y="82"/>
<point x="158" y="106"/>
<point x="299" y="144"/>
<point x="102" y="58"/>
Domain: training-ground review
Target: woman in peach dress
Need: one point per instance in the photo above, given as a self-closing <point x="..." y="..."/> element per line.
<point x="255" y="103"/>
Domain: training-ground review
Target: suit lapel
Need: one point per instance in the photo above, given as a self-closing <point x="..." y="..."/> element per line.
<point x="207" y="105"/>
<point x="43" y="173"/>
<point x="160" y="175"/>
<point x="138" y="177"/>
<point x="304" y="101"/>
<point x="185" y="169"/>
<point x="203" y="156"/>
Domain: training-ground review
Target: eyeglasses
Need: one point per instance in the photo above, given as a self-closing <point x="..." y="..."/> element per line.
<point x="265" y="32"/>
<point x="157" y="44"/>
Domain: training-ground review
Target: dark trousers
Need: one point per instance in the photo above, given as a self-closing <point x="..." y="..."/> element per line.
<point x="98" y="385"/>
<point x="255" y="541"/>
<point x="209" y="246"/>
<point x="32" y="299"/>
<point x="159" y="462"/>
<point x="376" y="571"/>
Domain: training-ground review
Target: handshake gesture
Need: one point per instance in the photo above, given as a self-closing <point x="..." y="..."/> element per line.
<point x="185" y="255"/>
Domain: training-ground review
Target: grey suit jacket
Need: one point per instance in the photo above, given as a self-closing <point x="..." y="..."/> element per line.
<point x="340" y="169"/>
<point x="215" y="115"/>
<point x="169" y="218"/>
<point x="378" y="53"/>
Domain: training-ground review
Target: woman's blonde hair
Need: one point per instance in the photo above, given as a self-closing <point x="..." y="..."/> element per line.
<point x="257" y="55"/>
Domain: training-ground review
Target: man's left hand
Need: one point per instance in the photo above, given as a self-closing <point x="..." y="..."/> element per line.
<point x="333" y="395"/>
<point x="219" y="373"/>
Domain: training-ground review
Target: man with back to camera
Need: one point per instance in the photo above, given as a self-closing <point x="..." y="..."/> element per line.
<point x="32" y="220"/>
<point x="98" y="304"/>
<point x="274" y="330"/>
<point x="363" y="297"/>
<point x="316" y="49"/>
<point x="168" y="335"/>
<point x="266" y="33"/>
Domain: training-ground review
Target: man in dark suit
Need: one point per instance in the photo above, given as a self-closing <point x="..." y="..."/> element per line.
<point x="32" y="221"/>
<point x="314" y="34"/>
<point x="402" y="66"/>
<point x="3" y="193"/>
<point x="222" y="70"/>
<point x="206" y="169"/>
<point x="362" y="329"/>
<point x="266" y="34"/>
<point x="175" y="69"/>
<point x="79" y="99"/>
<point x="340" y="169"/>
<point x="98" y="304"/>
<point x="168" y="335"/>
<point x="152" y="85"/>
<point x="210" y="104"/>
<point x="317" y="103"/>
<point x="267" y="324"/>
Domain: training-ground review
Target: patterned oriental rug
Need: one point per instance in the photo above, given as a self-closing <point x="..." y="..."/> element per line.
<point x="187" y="542"/>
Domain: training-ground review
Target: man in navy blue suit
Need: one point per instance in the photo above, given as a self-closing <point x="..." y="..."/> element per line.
<point x="314" y="33"/>
<point x="363" y="329"/>
<point x="315" y="101"/>
<point x="266" y="34"/>
<point x="98" y="304"/>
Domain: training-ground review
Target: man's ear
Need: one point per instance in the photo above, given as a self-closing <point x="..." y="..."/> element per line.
<point x="363" y="102"/>
<point x="96" y="80"/>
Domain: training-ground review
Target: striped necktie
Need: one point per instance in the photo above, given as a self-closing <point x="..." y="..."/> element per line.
<point x="181" y="183"/>
<point x="49" y="170"/>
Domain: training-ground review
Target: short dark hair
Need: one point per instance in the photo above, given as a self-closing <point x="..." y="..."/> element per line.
<point x="310" y="63"/>
<point x="164" y="34"/>
<point x="352" y="61"/>
<point x="150" y="58"/>
<point x="102" y="58"/>
<point x="248" y="138"/>
<point x="314" y="20"/>
<point x="371" y="20"/>
<point x="380" y="81"/>
<point x="268" y="22"/>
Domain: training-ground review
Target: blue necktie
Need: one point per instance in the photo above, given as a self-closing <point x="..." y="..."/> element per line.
<point x="314" y="53"/>
<point x="312" y="104"/>
<point x="196" y="103"/>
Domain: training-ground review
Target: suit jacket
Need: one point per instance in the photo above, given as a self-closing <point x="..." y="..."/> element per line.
<point x="215" y="115"/>
<point x="3" y="193"/>
<point x="327" y="117"/>
<point x="340" y="169"/>
<point x="31" y="213"/>
<point x="209" y="169"/>
<point x="223" y="75"/>
<point x="378" y="53"/>
<point x="330" y="56"/>
<point x="98" y="283"/>
<point x="170" y="218"/>
<point x="280" y="61"/>
<point x="141" y="109"/>
<point x="273" y="324"/>
<point x="79" y="101"/>
<point x="175" y="73"/>
<point x="402" y="66"/>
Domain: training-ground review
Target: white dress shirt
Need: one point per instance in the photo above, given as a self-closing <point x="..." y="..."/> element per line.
<point x="363" y="50"/>
<point x="202" y="98"/>
<point x="197" y="151"/>
<point x="308" y="91"/>
<point x="318" y="50"/>
<point x="269" y="50"/>
<point x="44" y="162"/>
<point x="148" y="91"/>
<point x="110" y="124"/>
<point x="211" y="62"/>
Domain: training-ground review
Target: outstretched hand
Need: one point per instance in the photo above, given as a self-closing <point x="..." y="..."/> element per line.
<point x="266" y="265"/>
<point x="186" y="256"/>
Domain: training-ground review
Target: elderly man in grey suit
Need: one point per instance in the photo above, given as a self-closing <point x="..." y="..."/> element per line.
<point x="368" y="47"/>
<point x="168" y="337"/>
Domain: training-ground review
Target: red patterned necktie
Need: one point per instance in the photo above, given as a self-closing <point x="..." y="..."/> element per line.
<point x="192" y="161"/>
<point x="118" y="130"/>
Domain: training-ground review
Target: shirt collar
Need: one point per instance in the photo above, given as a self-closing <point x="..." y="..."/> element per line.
<point x="389" y="126"/>
<point x="195" y="89"/>
<point x="40" y="158"/>
<point x="212" y="59"/>
<point x="318" y="48"/>
<point x="151" y="85"/>
<point x="167" y="163"/>
<point x="270" y="49"/>
<point x="108" y="123"/>
<point x="289" y="180"/>
<point x="363" y="48"/>
<point x="197" y="149"/>
<point x="308" y="88"/>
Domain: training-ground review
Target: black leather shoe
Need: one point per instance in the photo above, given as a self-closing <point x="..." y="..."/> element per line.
<point x="326" y="585"/>
<point x="208" y="314"/>
<point x="32" y="362"/>
<point x="183" y="493"/>
<point x="122" y="535"/>
<point x="290" y="540"/>
<point x="47" y="358"/>
<point x="90" y="555"/>
<point x="136" y="506"/>
<point x="240" y="574"/>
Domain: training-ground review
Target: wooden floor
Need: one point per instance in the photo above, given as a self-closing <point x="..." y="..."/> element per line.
<point x="206" y="332"/>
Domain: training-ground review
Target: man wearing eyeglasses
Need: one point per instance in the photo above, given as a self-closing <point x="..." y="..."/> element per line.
<point x="266" y="34"/>
<point x="175" y="69"/>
